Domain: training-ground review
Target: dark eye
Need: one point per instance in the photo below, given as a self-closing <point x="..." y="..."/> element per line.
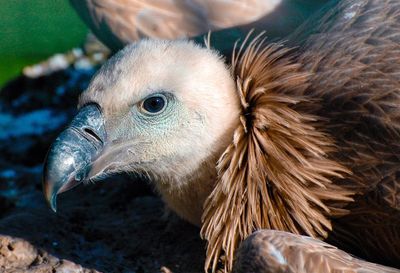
<point x="154" y="104"/>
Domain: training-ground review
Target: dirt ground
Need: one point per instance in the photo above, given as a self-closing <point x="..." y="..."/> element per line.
<point x="117" y="225"/>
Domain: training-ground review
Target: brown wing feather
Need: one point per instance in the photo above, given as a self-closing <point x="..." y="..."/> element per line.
<point x="272" y="251"/>
<point x="356" y="68"/>
<point x="120" y="22"/>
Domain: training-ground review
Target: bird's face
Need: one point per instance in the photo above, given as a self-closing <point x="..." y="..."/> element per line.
<point x="156" y="108"/>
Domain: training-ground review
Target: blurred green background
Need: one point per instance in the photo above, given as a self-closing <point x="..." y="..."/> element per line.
<point x="32" y="30"/>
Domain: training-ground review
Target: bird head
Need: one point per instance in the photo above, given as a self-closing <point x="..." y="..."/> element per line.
<point x="233" y="149"/>
<point x="156" y="108"/>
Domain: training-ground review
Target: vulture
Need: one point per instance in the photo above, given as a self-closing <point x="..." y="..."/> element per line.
<point x="297" y="140"/>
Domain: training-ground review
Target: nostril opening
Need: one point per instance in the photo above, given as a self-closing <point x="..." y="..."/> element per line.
<point x="81" y="174"/>
<point x="92" y="134"/>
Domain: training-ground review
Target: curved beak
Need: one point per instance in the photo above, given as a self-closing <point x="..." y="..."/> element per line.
<point x="69" y="160"/>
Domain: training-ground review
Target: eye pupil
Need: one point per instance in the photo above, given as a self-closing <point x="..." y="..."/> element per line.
<point x="154" y="104"/>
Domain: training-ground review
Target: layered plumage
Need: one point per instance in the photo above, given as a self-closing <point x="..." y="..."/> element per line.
<point x="277" y="173"/>
<point x="272" y="251"/>
<point x="346" y="76"/>
<point x="302" y="139"/>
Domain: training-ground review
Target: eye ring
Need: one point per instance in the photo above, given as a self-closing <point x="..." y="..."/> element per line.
<point x="154" y="104"/>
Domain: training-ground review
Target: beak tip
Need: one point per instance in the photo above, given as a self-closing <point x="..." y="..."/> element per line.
<point x="53" y="203"/>
<point x="51" y="197"/>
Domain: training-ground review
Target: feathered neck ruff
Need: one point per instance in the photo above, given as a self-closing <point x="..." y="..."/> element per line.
<point x="277" y="173"/>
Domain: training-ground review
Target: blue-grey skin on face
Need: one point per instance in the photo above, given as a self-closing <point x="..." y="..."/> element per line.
<point x="166" y="110"/>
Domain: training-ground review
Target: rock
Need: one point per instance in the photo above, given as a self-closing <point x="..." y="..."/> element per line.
<point x="18" y="255"/>
<point x="14" y="251"/>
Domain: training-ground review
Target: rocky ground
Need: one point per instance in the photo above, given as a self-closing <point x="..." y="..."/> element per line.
<point x="117" y="225"/>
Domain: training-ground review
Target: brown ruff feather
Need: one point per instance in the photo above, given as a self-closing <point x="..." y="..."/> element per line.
<point x="277" y="172"/>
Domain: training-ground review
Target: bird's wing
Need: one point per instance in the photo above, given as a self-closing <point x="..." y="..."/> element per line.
<point x="120" y="22"/>
<point x="277" y="251"/>
<point x="353" y="52"/>
<point x="228" y="13"/>
<point x="336" y="103"/>
<point x="354" y="55"/>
